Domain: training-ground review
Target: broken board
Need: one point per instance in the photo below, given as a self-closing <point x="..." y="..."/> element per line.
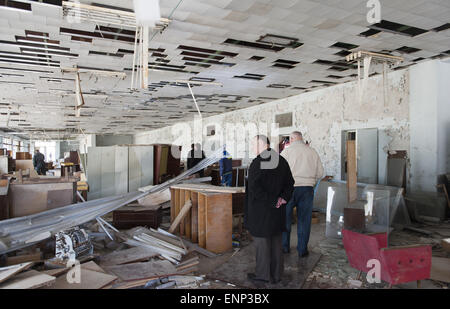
<point x="136" y="254"/>
<point x="88" y="280"/>
<point x="91" y="265"/>
<point x="137" y="271"/>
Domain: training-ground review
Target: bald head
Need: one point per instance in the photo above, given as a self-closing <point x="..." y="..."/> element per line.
<point x="296" y="136"/>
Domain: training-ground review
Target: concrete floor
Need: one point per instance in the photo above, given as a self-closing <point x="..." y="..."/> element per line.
<point x="327" y="267"/>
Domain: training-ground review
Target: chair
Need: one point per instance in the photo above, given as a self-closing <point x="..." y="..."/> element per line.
<point x="398" y="264"/>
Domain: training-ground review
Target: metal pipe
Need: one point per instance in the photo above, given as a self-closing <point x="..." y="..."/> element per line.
<point x="25" y="231"/>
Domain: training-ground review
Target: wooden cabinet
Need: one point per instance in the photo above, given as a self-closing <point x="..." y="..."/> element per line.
<point x="210" y="219"/>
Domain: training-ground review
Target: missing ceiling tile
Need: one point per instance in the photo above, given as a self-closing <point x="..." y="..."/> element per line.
<point x="254" y="45"/>
<point x="408" y="50"/>
<point x="335" y="76"/>
<point x="278" y="86"/>
<point x="392" y="27"/>
<point x="207" y="51"/>
<point x="250" y="76"/>
<point x="283" y="66"/>
<point x="346" y="46"/>
<point x="16" y="5"/>
<point x="202" y="79"/>
<point x="370" y="33"/>
<point x="280" y="41"/>
<point x="93" y="52"/>
<point x="343" y="53"/>
<point x="199" y="55"/>
<point x="442" y="28"/>
<point x="256" y="58"/>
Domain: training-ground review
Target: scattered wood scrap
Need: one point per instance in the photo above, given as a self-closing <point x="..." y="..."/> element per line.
<point x="92" y="266"/>
<point x="88" y="280"/>
<point x="8" y="272"/>
<point x="30" y="279"/>
<point x="19" y="259"/>
<point x="135" y="254"/>
<point x="56" y="272"/>
<point x="169" y="249"/>
<point x="188" y="266"/>
<point x="137" y="271"/>
<point x="183" y="212"/>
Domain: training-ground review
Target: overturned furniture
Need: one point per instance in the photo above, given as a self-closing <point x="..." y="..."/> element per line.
<point x="398" y="264"/>
<point x="204" y="214"/>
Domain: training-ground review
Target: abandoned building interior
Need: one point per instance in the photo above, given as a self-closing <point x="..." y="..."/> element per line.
<point x="131" y="133"/>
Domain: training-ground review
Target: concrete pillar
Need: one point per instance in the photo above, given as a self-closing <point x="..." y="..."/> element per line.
<point x="429" y="123"/>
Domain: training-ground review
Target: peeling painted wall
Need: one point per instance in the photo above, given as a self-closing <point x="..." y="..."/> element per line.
<point x="321" y="115"/>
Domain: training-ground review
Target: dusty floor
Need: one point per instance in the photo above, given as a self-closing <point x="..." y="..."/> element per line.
<point x="326" y="268"/>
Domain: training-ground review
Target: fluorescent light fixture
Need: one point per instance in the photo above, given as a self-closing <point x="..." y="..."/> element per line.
<point x="147" y="12"/>
<point x="192" y="82"/>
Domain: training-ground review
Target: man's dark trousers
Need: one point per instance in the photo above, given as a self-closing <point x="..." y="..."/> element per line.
<point x="269" y="258"/>
<point x="302" y="198"/>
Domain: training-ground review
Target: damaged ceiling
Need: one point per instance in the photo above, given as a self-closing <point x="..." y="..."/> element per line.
<point x="259" y="50"/>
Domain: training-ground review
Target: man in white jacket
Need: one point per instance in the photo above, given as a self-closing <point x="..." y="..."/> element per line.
<point x="306" y="169"/>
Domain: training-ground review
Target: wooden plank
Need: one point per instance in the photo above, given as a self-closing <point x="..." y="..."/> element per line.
<point x="88" y="280"/>
<point x="191" y="264"/>
<point x="135" y="254"/>
<point x="177" y="206"/>
<point x="201" y="220"/>
<point x="56" y="272"/>
<point x="351" y="171"/>
<point x="187" y="219"/>
<point x="194" y="216"/>
<point x="19" y="259"/>
<point x="156" y="198"/>
<point x="138" y="271"/>
<point x="172" y="204"/>
<point x="187" y="262"/>
<point x="187" y="206"/>
<point x="182" y="202"/>
<point x="197" y="248"/>
<point x="208" y="188"/>
<point x="91" y="265"/>
<point x="30" y="279"/>
<point x="174" y="241"/>
<point x="219" y="222"/>
<point x="8" y="272"/>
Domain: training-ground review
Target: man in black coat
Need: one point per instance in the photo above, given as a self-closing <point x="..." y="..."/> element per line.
<point x="270" y="185"/>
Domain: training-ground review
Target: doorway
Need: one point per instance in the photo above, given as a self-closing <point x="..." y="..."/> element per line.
<point x="366" y="154"/>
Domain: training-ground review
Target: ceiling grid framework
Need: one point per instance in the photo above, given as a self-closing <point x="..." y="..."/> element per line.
<point x="259" y="50"/>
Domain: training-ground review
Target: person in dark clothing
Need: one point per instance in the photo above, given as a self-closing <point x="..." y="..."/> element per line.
<point x="226" y="169"/>
<point x="39" y="162"/>
<point x="195" y="156"/>
<point x="269" y="186"/>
